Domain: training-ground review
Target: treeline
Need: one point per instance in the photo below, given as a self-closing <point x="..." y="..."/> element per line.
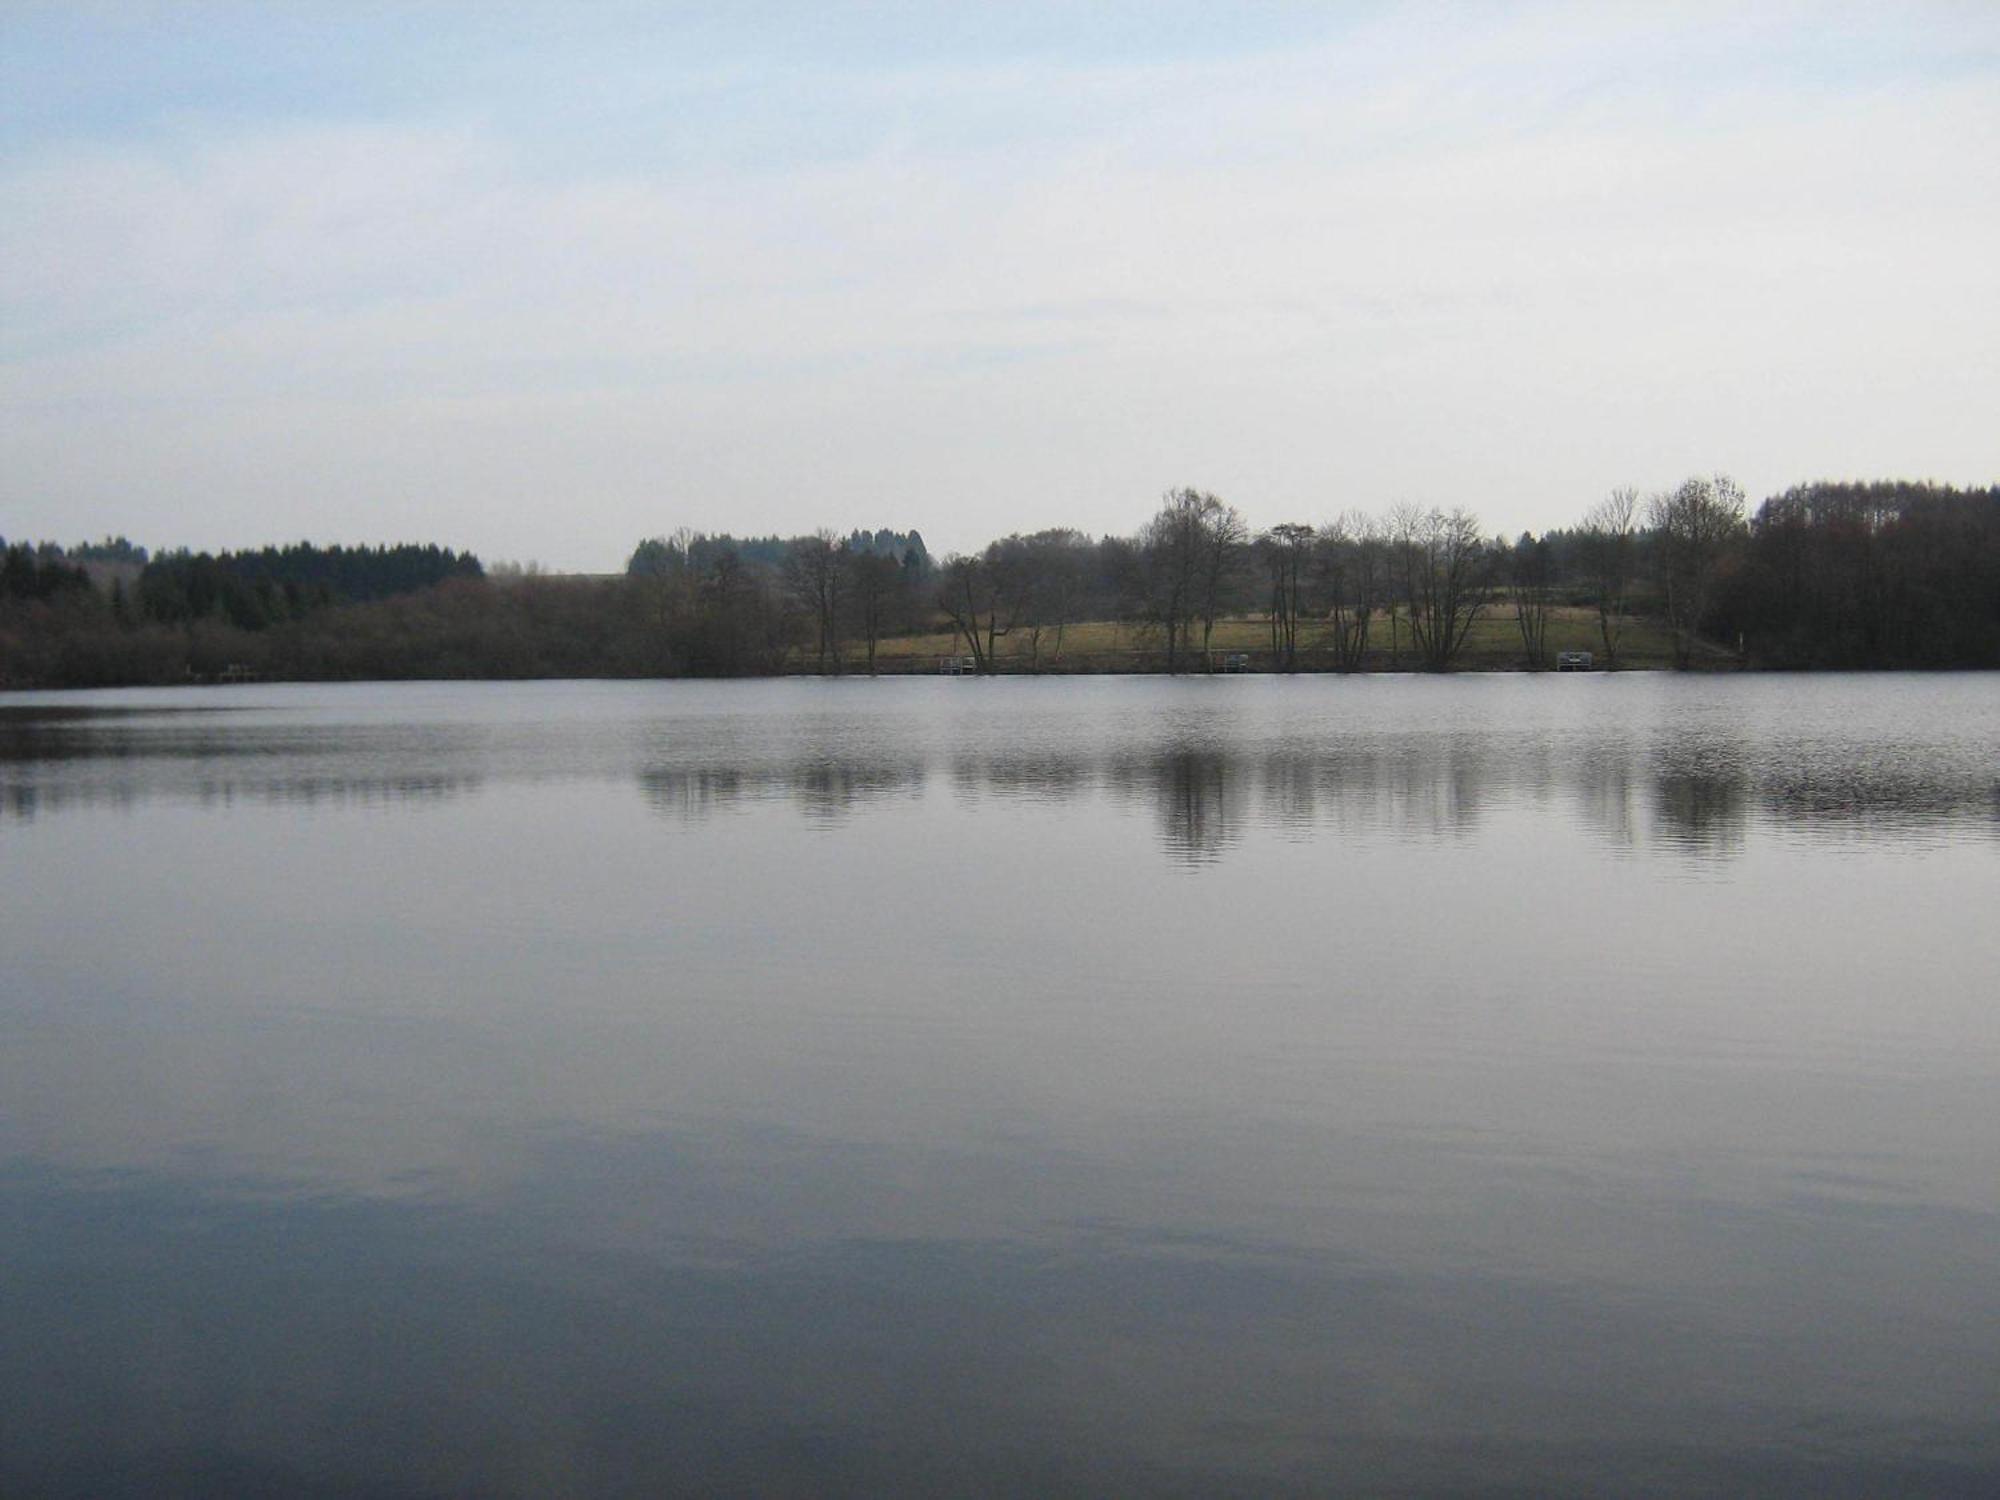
<point x="1863" y="575"/>
<point x="254" y="590"/>
<point x="718" y="606"/>
<point x="702" y="550"/>
<point x="37" y="573"/>
<point x="1828" y="574"/>
<point x="107" y="612"/>
<point x="1326" y="595"/>
<point x="462" y="628"/>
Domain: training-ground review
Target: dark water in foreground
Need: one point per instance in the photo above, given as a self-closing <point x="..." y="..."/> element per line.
<point x="1581" y="1085"/>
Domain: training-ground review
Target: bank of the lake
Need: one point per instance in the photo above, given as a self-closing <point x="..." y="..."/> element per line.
<point x="475" y="632"/>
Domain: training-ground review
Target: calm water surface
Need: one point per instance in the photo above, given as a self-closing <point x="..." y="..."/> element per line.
<point x="1559" y="1085"/>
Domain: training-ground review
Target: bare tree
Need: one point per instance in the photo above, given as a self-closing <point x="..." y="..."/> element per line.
<point x="1013" y="574"/>
<point x="1352" y="572"/>
<point x="1444" y="568"/>
<point x="813" y="576"/>
<point x="1188" y="551"/>
<point x="1226" y="537"/>
<point x="738" y="628"/>
<point x="1287" y="551"/>
<point x="1607" y="549"/>
<point x="968" y="595"/>
<point x="1170" y="549"/>
<point x="1530" y="577"/>
<point x="660" y="572"/>
<point x="873" y="582"/>
<point x="1695" y="525"/>
<point x="1056" y="563"/>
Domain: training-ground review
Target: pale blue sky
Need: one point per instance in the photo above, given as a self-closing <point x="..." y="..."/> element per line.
<point x="540" y="280"/>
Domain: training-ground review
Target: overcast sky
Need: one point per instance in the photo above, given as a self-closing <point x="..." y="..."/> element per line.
<point x="541" y="280"/>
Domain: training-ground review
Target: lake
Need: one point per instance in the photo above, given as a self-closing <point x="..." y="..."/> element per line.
<point x="1558" y="1085"/>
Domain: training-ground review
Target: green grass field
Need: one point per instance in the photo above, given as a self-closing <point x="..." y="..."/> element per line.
<point x="1110" y="646"/>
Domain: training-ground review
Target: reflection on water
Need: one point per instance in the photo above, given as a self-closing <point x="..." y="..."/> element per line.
<point x="1070" y="1087"/>
<point x="27" y="799"/>
<point x="1317" y="766"/>
<point x="1701" y="793"/>
<point x="824" y="789"/>
<point x="1197" y="793"/>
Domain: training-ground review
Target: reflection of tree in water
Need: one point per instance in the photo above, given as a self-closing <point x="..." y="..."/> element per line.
<point x="338" y="791"/>
<point x="1605" y="784"/>
<point x="825" y="788"/>
<point x="689" y="794"/>
<point x="1288" y="790"/>
<point x="1198" y="794"/>
<point x="1698" y="790"/>
<point x="1706" y="813"/>
<point x="65" y="731"/>
<point x="1414" y="786"/>
<point x="1418" y="785"/>
<point x="830" y="789"/>
<point x="125" y="788"/>
<point x="57" y="757"/>
<point x="1701" y="797"/>
<point x="1891" y="786"/>
<point x="1053" y="776"/>
<point x="1440" y="786"/>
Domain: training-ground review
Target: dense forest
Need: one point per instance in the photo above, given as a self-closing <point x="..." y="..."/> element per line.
<point x="254" y="590"/>
<point x="1893" y="574"/>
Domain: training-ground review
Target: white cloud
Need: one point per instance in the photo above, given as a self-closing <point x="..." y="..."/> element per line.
<point x="1511" y="264"/>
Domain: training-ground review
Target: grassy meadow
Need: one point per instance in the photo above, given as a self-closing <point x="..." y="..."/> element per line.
<point x="1494" y="644"/>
